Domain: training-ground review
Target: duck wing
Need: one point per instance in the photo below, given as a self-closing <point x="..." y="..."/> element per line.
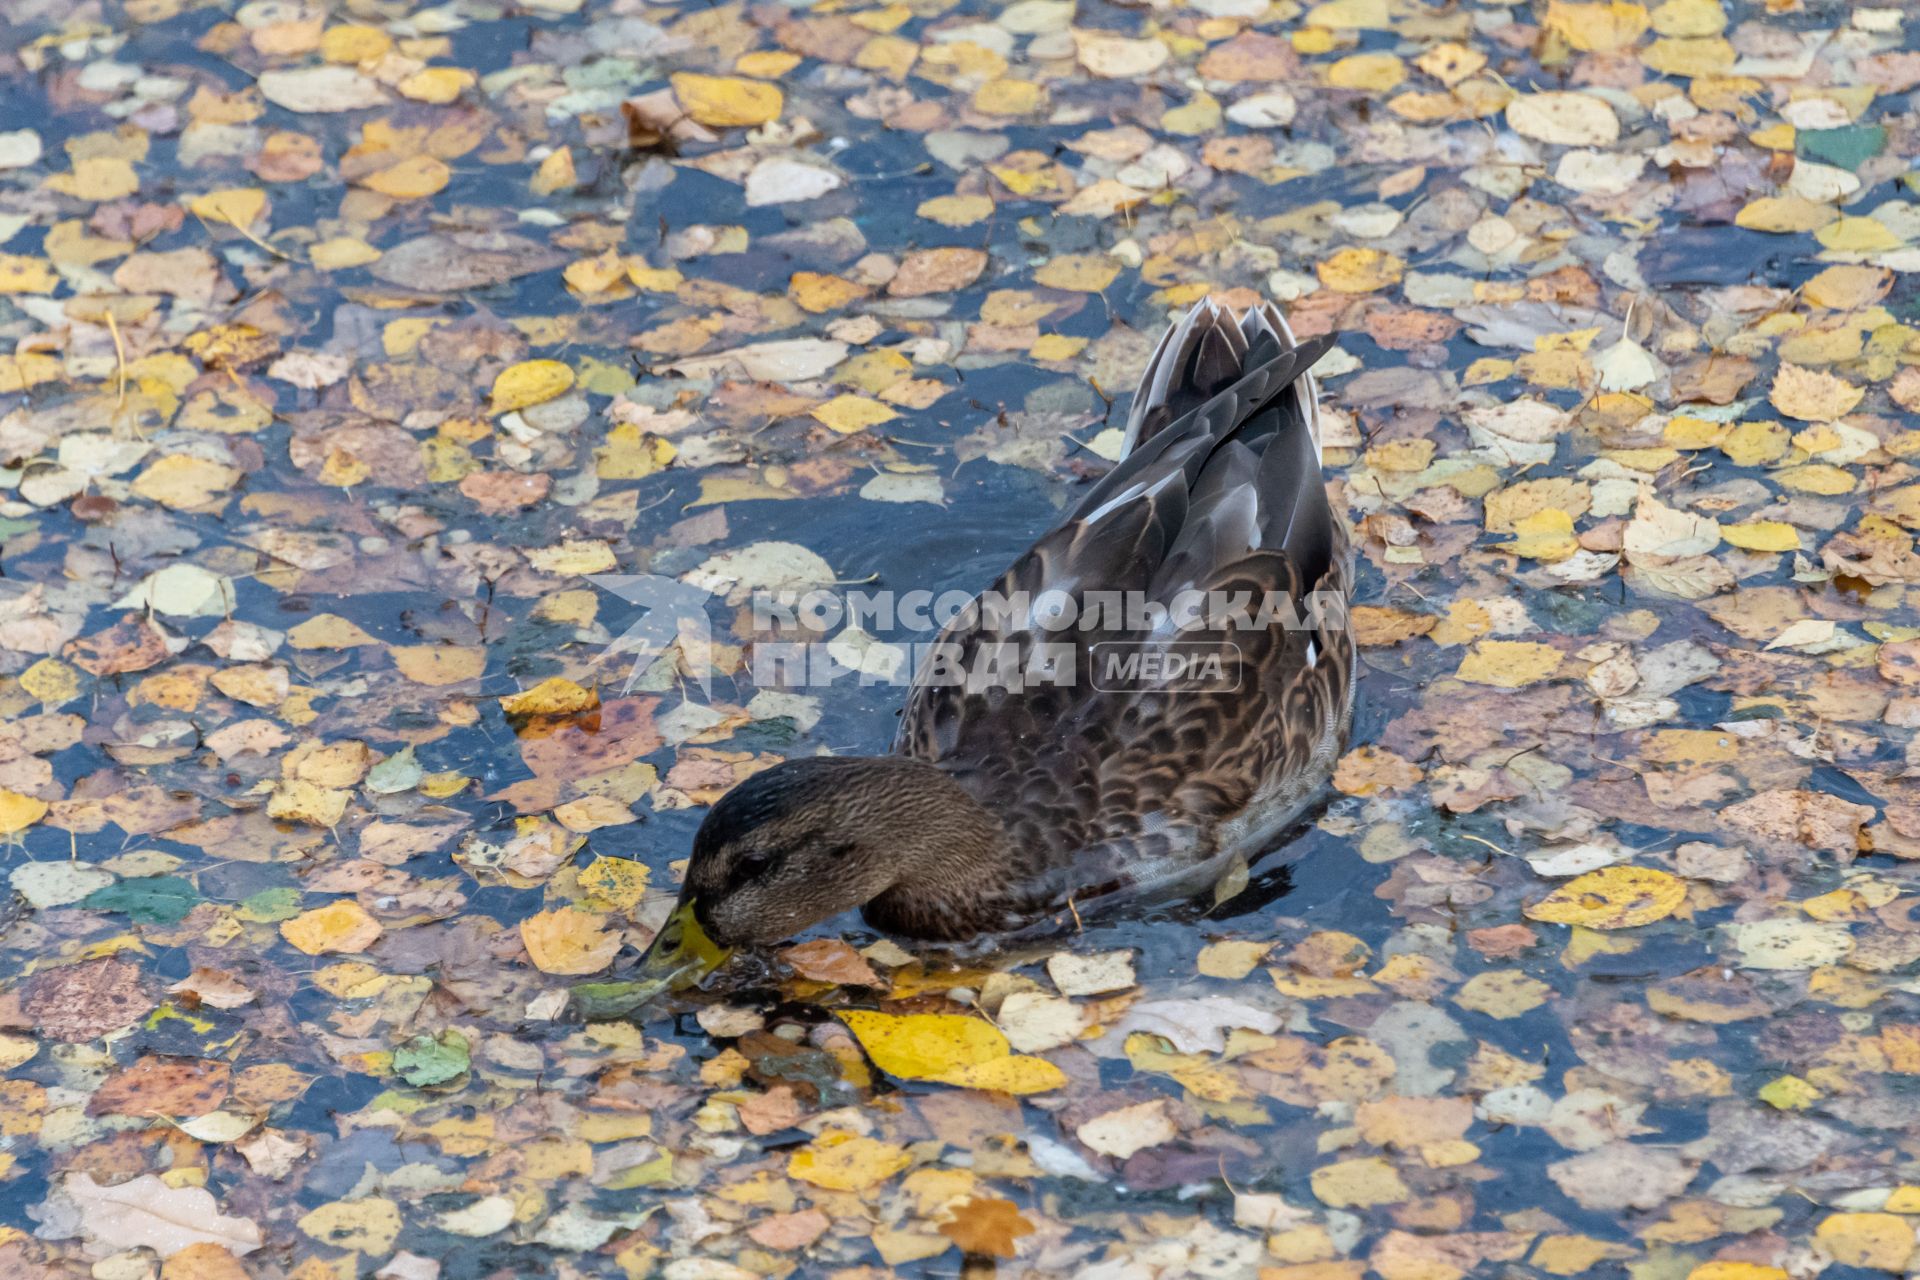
<point x="1114" y="777"/>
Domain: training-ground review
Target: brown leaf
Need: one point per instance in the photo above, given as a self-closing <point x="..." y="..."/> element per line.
<point x="926" y="271"/>
<point x="81" y="1002"/>
<point x="770" y="1112"/>
<point x="831" y="960"/>
<point x="448" y="263"/>
<point x="987" y="1227"/>
<point x="621" y="731"/>
<point x="158" y="1086"/>
<point x="1810" y="818"/>
<point x="132" y="644"/>
<point x="790" y="1230"/>
<point x="1375" y="626"/>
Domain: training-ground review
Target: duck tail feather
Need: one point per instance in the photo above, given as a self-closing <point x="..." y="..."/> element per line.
<point x="1208" y="351"/>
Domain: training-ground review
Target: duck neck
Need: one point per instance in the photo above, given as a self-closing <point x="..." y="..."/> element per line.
<point x="950" y="852"/>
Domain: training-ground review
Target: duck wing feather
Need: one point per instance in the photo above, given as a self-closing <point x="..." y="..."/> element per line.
<point x="1127" y="780"/>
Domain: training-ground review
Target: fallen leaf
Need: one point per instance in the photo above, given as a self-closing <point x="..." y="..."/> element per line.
<point x="1622" y="897"/>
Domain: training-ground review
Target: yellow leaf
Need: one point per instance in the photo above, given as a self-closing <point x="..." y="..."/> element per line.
<point x="1377" y="72"/>
<point x="438" y="85"/>
<point x="556" y="173"/>
<point x="956" y="211"/>
<point x="597" y="274"/>
<point x="840" y="1161"/>
<point x="1762" y="535"/>
<point x="1690" y="56"/>
<point x="726" y="102"/>
<point x="619" y="882"/>
<point x="632" y="454"/>
<point x="1880" y="1241"/>
<point x="342" y="926"/>
<point x="1612" y="898"/>
<point x="18" y="812"/>
<point x="1360" y="270"/>
<point x="1752" y="443"/>
<point x="339" y="253"/>
<point x="29" y="369"/>
<point x="529" y="383"/>
<point x="1544" y="535"/>
<point x="233" y="206"/>
<point x="368" y="1226"/>
<point x="925" y="1046"/>
<point x="1017" y="1074"/>
<point x="439" y="664"/>
<point x="1785" y="215"/>
<point x="653" y="279"/>
<point x="569" y="941"/>
<point x="97" y="178"/>
<point x="1197" y="115"/>
<point x="22" y="274"/>
<point x="328" y="631"/>
<point x="1009" y="97"/>
<point x="353" y="44"/>
<point x="768" y="64"/>
<point x="819" y="292"/>
<point x="1812" y="395"/>
<point x="1056" y="346"/>
<point x="1690" y="18"/>
<point x="1360" y="1183"/>
<point x="295" y="800"/>
<point x="1857" y="235"/>
<point x="554" y="696"/>
<point x="1078" y="272"/>
<point x="578" y="557"/>
<point x="1846" y="287"/>
<point x="51" y="681"/>
<point x="1503" y="993"/>
<point x="1820" y="477"/>
<point x="590" y="813"/>
<point x="1509" y="664"/>
<point x="1736" y="1271"/>
<point x="1232" y="960"/>
<point x="1788" y="1093"/>
<point x="1601" y="28"/>
<point x="849" y="413"/>
<point x="414" y="178"/>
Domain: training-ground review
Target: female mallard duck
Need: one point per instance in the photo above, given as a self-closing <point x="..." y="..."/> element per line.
<point x="1000" y="807"/>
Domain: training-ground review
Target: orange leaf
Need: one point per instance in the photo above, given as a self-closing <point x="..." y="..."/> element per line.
<point x="987" y="1227"/>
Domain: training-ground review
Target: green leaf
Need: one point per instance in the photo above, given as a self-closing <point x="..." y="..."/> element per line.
<point x="398" y="772"/>
<point x="156" y="900"/>
<point x="426" y="1060"/>
<point x="271" y="905"/>
<point x="1846" y="148"/>
<point x="605" y="1001"/>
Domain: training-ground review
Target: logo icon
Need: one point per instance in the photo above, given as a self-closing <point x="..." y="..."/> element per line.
<point x="675" y="614"/>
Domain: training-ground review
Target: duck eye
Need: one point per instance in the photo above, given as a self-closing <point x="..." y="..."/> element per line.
<point x="753" y="865"/>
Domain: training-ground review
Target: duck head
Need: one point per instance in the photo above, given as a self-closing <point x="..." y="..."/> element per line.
<point x="801" y="842"/>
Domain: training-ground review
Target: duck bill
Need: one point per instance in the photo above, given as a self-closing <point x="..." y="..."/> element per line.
<point x="680" y="955"/>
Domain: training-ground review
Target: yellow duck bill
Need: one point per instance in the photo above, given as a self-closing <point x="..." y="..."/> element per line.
<point x="680" y="955"/>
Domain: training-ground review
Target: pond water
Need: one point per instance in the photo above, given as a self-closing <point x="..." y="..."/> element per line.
<point x="348" y="348"/>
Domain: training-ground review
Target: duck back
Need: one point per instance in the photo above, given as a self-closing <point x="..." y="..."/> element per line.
<point x="1113" y="776"/>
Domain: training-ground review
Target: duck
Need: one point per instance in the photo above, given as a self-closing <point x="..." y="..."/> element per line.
<point x="1006" y="806"/>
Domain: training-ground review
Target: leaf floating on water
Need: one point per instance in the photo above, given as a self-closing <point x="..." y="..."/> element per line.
<point x="142" y="1213"/>
<point x="1613" y="898"/>
<point x="569" y="941"/>
<point x="925" y="1046"/>
<point x="949" y="1049"/>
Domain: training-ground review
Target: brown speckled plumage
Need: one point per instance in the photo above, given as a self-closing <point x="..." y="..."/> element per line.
<point x="999" y="807"/>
